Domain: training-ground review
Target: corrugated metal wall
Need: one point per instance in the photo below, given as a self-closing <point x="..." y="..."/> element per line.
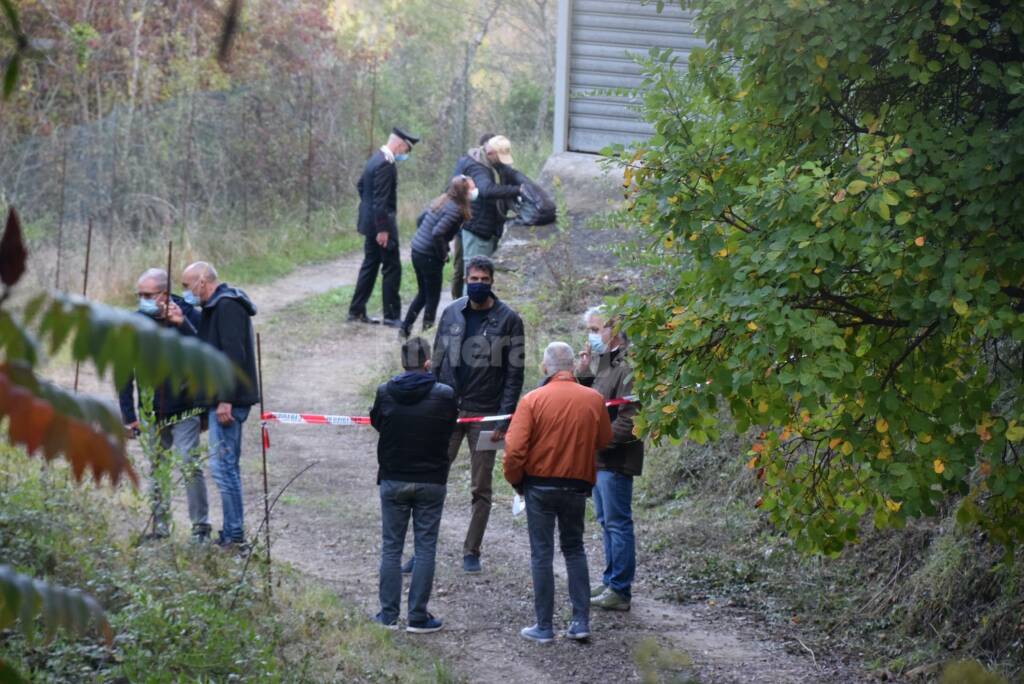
<point x="602" y="37"/>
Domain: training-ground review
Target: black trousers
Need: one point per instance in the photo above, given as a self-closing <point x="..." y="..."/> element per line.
<point x="389" y="262"/>
<point x="429" y="277"/>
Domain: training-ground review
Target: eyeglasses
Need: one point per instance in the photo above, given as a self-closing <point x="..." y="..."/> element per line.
<point x="149" y="295"/>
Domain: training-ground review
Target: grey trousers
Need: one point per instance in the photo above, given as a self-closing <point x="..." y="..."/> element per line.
<point x="182" y="438"/>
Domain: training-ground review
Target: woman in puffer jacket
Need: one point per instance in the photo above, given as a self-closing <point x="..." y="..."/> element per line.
<point x="435" y="228"/>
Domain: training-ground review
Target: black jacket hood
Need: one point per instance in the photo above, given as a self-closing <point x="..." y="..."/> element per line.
<point x="411" y="387"/>
<point x="225" y="291"/>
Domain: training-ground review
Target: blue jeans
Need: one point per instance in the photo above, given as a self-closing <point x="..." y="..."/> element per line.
<point x="225" y="452"/>
<point x="613" y="499"/>
<point x="425" y="503"/>
<point x="545" y="506"/>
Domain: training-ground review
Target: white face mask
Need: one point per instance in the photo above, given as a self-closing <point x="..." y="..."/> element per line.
<point x="473" y="194"/>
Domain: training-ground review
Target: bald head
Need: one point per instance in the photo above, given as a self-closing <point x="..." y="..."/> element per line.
<point x="201" y="279"/>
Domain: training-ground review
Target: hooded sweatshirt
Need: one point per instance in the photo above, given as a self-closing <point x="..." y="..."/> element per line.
<point x="415" y="416"/>
<point x="226" y="324"/>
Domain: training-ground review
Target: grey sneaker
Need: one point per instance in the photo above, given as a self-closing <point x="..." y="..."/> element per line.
<point x="578" y="631"/>
<point x="597" y="590"/>
<point x="538" y="635"/>
<point x="611" y="600"/>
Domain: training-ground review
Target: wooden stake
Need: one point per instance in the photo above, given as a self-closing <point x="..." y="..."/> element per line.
<point x="85" y="285"/>
<point x="167" y="291"/>
<point x="264" y="442"/>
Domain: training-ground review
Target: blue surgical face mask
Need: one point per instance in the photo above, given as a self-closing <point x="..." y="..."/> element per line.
<point x="597" y="345"/>
<point x="401" y="157"/>
<point x="190" y="298"/>
<point x="473" y="194"/>
<point x="148" y="306"/>
<point x="478" y="292"/>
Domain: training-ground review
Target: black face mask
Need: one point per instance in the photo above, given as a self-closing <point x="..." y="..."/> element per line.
<point x="478" y="292"/>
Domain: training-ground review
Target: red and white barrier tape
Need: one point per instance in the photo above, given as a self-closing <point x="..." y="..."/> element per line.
<point x="324" y="419"/>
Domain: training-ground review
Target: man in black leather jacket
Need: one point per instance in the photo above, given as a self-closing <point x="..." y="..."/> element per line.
<point x="415" y="415"/>
<point x="479" y="351"/>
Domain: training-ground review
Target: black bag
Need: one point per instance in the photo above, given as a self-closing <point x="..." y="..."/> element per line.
<point x="535" y="207"/>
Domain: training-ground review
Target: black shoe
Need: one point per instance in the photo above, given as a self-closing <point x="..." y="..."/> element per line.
<point x="403" y="332"/>
<point x="362" y="318"/>
<point x="393" y="322"/>
<point x="200" y="534"/>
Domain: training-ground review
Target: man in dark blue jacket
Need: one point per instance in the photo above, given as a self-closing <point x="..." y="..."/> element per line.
<point x="226" y="323"/>
<point x="415" y="416"/>
<point x="378" y="203"/>
<point x="177" y="415"/>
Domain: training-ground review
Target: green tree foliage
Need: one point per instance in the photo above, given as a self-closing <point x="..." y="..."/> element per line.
<point x="87" y="432"/>
<point x="834" y="195"/>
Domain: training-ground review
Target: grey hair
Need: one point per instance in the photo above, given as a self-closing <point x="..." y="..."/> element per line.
<point x="204" y="270"/>
<point x="599" y="310"/>
<point x="157" y="275"/>
<point x="559" y="357"/>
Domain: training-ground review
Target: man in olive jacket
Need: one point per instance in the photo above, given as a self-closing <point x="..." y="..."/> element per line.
<point x="226" y="324"/>
<point x="618" y="463"/>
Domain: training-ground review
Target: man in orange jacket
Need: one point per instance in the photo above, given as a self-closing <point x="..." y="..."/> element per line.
<point x="549" y="458"/>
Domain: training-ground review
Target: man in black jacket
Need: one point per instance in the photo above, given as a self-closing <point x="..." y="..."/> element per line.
<point x="378" y="190"/>
<point x="226" y="324"/>
<point x="479" y="350"/>
<point x="481" y="233"/>
<point x="176" y="414"/>
<point x="414" y="415"/>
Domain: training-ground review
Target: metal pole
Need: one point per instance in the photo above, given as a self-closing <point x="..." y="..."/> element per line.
<point x="60" y="219"/>
<point x="265" y="443"/>
<point x="373" y="104"/>
<point x="309" y="154"/>
<point x="85" y="285"/>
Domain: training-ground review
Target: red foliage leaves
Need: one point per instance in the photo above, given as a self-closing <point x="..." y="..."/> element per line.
<point x="35" y="424"/>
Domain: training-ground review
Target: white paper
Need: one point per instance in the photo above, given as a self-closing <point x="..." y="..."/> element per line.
<point x="518" y="505"/>
<point x="484" y="443"/>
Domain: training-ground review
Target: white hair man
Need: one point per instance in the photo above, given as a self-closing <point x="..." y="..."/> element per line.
<point x="604" y="367"/>
<point x="549" y="458"/>
<point x="177" y="423"/>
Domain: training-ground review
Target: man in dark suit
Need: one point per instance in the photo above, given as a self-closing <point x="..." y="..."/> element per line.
<point x="377" y="206"/>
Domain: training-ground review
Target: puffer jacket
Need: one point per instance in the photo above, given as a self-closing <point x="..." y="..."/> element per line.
<point x="488" y="220"/>
<point x="495" y="357"/>
<point x="614" y="379"/>
<point x="436" y="229"/>
<point x="415" y="415"/>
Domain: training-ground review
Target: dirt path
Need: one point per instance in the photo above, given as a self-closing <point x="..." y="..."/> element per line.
<point x="327" y="525"/>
